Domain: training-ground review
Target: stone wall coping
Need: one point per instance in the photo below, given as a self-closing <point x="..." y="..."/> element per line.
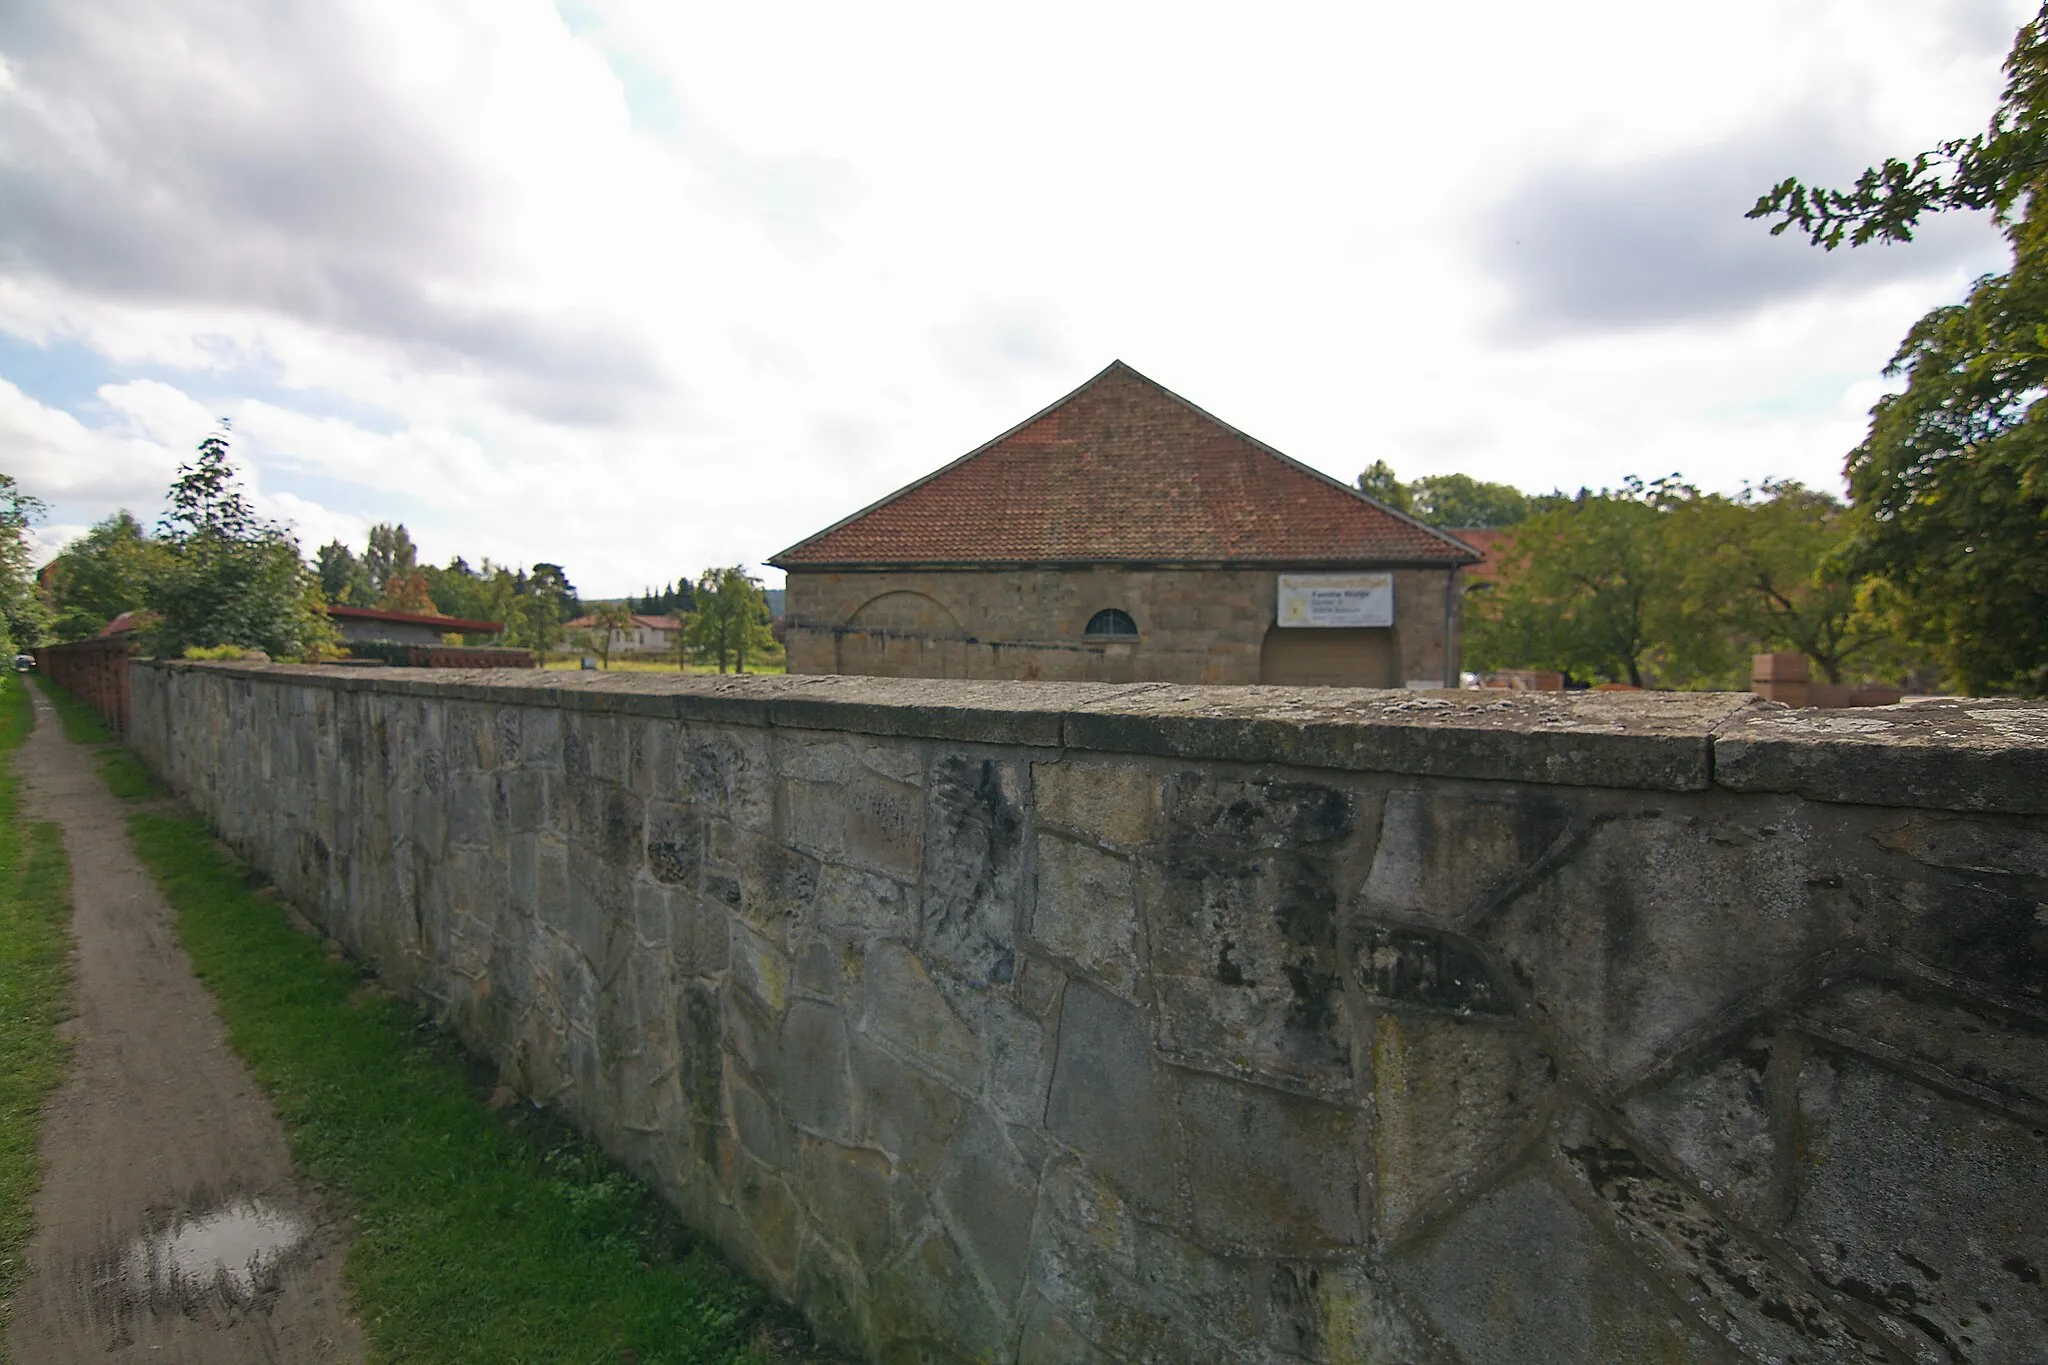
<point x="1946" y="754"/>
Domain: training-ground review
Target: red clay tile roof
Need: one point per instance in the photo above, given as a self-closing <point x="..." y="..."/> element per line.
<point x="1123" y="470"/>
<point x="1487" y="541"/>
<point x="445" y="623"/>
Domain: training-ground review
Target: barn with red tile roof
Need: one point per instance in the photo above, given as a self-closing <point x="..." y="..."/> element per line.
<point x="1125" y="534"/>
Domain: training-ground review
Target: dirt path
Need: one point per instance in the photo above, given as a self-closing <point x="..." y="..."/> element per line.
<point x="170" y="1226"/>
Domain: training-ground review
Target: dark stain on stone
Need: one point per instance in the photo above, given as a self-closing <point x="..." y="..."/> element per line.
<point x="1410" y="966"/>
<point x="726" y="889"/>
<point x="970" y="894"/>
<point x="1260" y="813"/>
<point x="1932" y="1275"/>
<point x="1228" y="972"/>
<point x="1314" y="1006"/>
<point x="675" y="844"/>
<point x="2020" y="1268"/>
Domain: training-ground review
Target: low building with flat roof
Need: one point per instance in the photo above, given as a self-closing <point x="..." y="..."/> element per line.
<point x="1123" y="534"/>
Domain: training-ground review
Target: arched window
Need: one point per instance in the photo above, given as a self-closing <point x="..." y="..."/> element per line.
<point x="1110" y="621"/>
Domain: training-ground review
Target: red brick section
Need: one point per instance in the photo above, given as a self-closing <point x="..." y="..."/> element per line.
<point x="94" y="671"/>
<point x="1124" y="470"/>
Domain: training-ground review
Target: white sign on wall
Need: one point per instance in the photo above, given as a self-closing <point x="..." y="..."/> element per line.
<point x="1336" y="600"/>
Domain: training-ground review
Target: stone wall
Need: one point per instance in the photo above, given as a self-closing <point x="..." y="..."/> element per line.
<point x="1083" y="1023"/>
<point x="1194" y="625"/>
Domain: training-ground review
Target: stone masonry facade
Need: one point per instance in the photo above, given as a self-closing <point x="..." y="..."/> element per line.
<point x="1111" y="1023"/>
<point x="1195" y="625"/>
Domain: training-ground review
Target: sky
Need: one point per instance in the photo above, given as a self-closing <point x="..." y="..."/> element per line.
<point x="639" y="287"/>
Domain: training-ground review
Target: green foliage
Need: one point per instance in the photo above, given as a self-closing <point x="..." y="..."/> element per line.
<point x="22" y="614"/>
<point x="1589" y="588"/>
<point x="1461" y="500"/>
<point x="228" y="577"/>
<point x="1453" y="499"/>
<point x="389" y="555"/>
<point x="679" y="600"/>
<point x="1661" y="585"/>
<point x="474" y="1241"/>
<point x="344" y="579"/>
<point x="731" y="620"/>
<point x="1379" y="482"/>
<point x="1997" y="169"/>
<point x="106" y="572"/>
<point x="1950" y="487"/>
<point x="34" y="983"/>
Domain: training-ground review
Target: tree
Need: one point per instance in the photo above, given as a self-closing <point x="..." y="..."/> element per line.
<point x="343" y="577"/>
<point x="1379" y="482"/>
<point x="1461" y="500"/>
<point x="104" y="573"/>
<point x="608" y="619"/>
<point x="390" y="553"/>
<point x="229" y="578"/>
<point x="1950" y="487"/>
<point x="731" y="618"/>
<point x="1594" y="589"/>
<point x="407" y="592"/>
<point x="22" y="614"/>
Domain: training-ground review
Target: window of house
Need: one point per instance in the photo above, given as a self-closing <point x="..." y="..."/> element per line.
<point x="1110" y="621"/>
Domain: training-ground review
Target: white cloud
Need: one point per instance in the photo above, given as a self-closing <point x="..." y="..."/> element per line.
<point x="671" y="286"/>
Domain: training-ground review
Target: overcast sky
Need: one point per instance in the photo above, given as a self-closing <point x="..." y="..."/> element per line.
<point x="643" y="287"/>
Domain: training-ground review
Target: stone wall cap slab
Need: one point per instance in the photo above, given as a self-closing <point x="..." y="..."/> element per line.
<point x="1954" y="753"/>
<point x="1654" y="740"/>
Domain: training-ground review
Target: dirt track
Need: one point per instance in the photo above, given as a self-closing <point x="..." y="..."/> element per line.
<point x="169" y="1226"/>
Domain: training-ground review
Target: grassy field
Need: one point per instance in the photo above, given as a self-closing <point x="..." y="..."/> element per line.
<point x="483" y="1234"/>
<point x="34" y="893"/>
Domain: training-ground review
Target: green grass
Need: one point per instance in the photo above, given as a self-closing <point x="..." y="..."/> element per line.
<point x="475" y="1242"/>
<point x="82" y="724"/>
<point x="35" y="885"/>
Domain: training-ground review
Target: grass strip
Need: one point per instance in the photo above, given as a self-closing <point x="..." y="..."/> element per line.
<point x="35" y="884"/>
<point x="474" y="1243"/>
<point x="82" y="724"/>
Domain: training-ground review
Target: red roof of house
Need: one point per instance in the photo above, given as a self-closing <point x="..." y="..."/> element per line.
<point x="123" y="624"/>
<point x="443" y="623"/>
<point x="1123" y="470"/>
<point x="1486" y="540"/>
<point x="587" y="622"/>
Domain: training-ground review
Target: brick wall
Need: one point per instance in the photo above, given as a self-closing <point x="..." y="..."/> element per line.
<point x="1194" y="625"/>
<point x="94" y="671"/>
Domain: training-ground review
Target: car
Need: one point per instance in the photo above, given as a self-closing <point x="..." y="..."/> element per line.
<point x="24" y="662"/>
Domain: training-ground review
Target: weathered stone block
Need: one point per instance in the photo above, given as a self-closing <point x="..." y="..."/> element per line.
<point x="903" y="1006"/>
<point x="972" y="891"/>
<point x="867" y="822"/>
<point x="846" y="1190"/>
<point x="904" y="1112"/>
<point x="1107" y="1099"/>
<point x="1115" y="802"/>
<point x="816" y="1095"/>
<point x="1888" y="1167"/>
<point x="1247" y="977"/>
<point x="1578" y="1299"/>
<point x="1452" y="1102"/>
<point x="1087" y="911"/>
<point x="1444" y="858"/>
<point x="1268" y="1172"/>
<point x="1660" y="923"/>
<point x="986" y="1194"/>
